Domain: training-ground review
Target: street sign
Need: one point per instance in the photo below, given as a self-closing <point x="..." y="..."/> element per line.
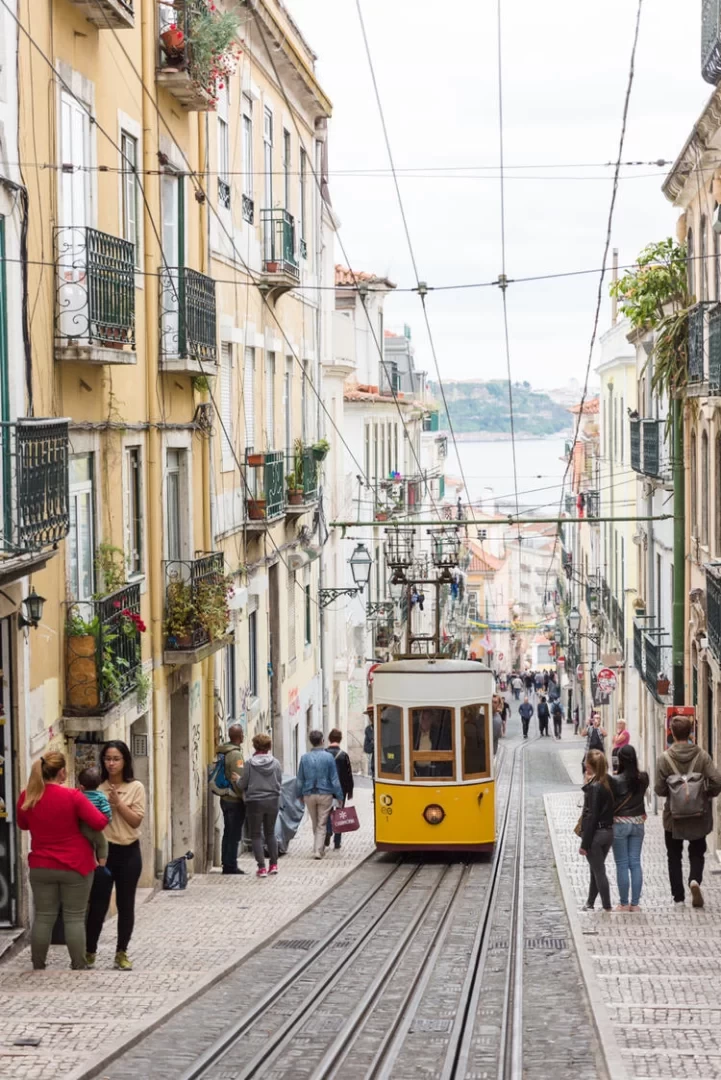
<point x="606" y="680"/>
<point x="579" y="672"/>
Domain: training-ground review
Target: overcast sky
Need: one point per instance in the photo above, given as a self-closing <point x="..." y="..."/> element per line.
<point x="565" y="66"/>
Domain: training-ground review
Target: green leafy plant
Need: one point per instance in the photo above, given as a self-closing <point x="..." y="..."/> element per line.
<point x="77" y="626"/>
<point x="179" y="609"/>
<point x="211" y="605"/>
<point x="143" y="683"/>
<point x="110" y="564"/>
<point x="200" y="383"/>
<point x="294" y="479"/>
<point x="322" y="445"/>
<point x="213" y="40"/>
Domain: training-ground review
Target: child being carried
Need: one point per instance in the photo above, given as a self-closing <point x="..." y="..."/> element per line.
<point x="89" y="782"/>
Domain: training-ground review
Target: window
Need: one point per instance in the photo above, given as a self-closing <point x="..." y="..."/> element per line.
<point x="288" y="404"/>
<point x="173" y="486"/>
<point x="702" y="271"/>
<point x="473" y="605"/>
<point x="706" y="491"/>
<point x="308" y="623"/>
<point x="432" y="743"/>
<point x="270" y="400"/>
<point x="268" y="156"/>
<point x="474" y="724"/>
<point x="621" y="427"/>
<point x="134" y="510"/>
<point x="131" y="192"/>
<point x="301" y="205"/>
<point x="253" y="654"/>
<point x="390" y="740"/>
<point x="694" y="496"/>
<point x="291" y="615"/>
<point x="304" y="402"/>
<point x="717" y="495"/>
<point x="81" y="537"/>
<point x="226" y="405"/>
<point x="229" y="683"/>
<point x="690" y="263"/>
<point x="224" y="148"/>
<point x="716" y="267"/>
<point x="286" y="168"/>
<point x="248" y="147"/>
<point x="249" y="397"/>
<point x="75" y="149"/>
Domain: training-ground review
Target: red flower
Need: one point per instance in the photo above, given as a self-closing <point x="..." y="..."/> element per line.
<point x="116" y="603"/>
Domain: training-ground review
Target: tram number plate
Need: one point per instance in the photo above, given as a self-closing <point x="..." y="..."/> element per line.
<point x="386" y="802"/>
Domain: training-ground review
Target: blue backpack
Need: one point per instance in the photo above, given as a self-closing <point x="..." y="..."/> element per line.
<point x="218" y="782"/>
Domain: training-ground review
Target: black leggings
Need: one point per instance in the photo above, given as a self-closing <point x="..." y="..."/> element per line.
<point x="125" y="865"/>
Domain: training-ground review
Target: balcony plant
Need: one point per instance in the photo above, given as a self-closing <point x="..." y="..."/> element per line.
<point x="179" y="614"/>
<point x="211" y="605"/>
<point x="320" y="449"/>
<point x="173" y="40"/>
<point x="212" y="36"/>
<point x="257" y="507"/>
<point x="294" y="479"/>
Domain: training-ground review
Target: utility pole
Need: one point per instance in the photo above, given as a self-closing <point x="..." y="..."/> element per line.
<point x="679" y="554"/>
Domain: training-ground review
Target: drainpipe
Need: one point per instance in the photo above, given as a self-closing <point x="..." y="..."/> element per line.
<point x="679" y="555"/>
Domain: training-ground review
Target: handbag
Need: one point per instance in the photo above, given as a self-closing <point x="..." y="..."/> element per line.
<point x="344" y="819"/>
<point x="578" y="827"/>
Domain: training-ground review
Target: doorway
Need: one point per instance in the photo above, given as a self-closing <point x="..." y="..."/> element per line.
<point x="8" y="907"/>
<point x="180" y="820"/>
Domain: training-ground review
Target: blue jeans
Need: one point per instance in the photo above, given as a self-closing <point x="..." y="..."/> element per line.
<point x="627" y="844"/>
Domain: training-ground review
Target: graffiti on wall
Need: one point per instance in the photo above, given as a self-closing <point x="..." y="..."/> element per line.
<point x="293" y="701"/>
<point x="195" y="725"/>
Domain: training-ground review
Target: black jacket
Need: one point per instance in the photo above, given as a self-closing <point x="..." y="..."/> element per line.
<point x="597" y="812"/>
<point x="345" y="772"/>
<point x="543" y="713"/>
<point x="368" y="745"/>
<point x="635" y="806"/>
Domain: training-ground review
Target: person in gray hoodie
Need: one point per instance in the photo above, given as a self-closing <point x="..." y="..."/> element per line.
<point x="260" y="782"/>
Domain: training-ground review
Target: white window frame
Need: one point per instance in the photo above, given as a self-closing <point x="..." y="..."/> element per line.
<point x="247" y="113"/>
<point x="180" y="441"/>
<point x="287" y="165"/>
<point x="269" y="394"/>
<point x="79" y="490"/>
<point x="292" y="617"/>
<point x="302" y="192"/>
<point x="223" y="121"/>
<point x="226" y="406"/>
<point x="129" y="472"/>
<point x="130" y="193"/>
<point x="268" y="157"/>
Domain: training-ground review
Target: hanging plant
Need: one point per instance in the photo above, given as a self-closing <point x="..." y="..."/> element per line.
<point x="215" y="50"/>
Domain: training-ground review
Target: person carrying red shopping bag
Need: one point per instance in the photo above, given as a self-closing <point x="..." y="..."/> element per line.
<point x="344" y="818"/>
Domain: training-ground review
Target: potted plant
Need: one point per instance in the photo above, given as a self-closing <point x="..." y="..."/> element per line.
<point x="179" y="614"/>
<point x="294" y="479"/>
<point x="256" y="507"/>
<point x="213" y="42"/>
<point x="81" y="661"/>
<point x="320" y="449"/>
<point x="663" y="685"/>
<point x="173" y="40"/>
<point x="254" y="461"/>
<point x="211" y="605"/>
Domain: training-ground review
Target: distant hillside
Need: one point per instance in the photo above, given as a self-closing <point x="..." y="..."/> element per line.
<point x="483" y="406"/>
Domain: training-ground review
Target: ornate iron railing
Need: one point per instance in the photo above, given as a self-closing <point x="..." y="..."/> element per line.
<point x="303" y="249"/>
<point x="696" y="335"/>
<point x="182" y="55"/>
<point x="638" y="648"/>
<point x="279" y="243"/>
<point x="651" y="438"/>
<point x="310" y="475"/>
<point x="636" y="445"/>
<point x="713" y="607"/>
<point x="714" y="349"/>
<point x="248" y="209"/>
<point x="34" y="457"/>
<point x="593" y="503"/>
<point x="95" y="300"/>
<point x="196" y="600"/>
<point x="711" y="41"/>
<point x="223" y="193"/>
<point x="652" y="668"/>
<point x="102" y="651"/>
<point x="188" y="323"/>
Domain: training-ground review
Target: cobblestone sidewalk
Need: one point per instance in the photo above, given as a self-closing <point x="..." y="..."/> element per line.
<point x="182" y="943"/>
<point x="653" y="975"/>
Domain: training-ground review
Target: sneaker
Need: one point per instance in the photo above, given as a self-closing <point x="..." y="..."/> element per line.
<point x="679" y="903"/>
<point x="273" y="868"/>
<point x="587" y="907"/>
<point x="623" y="907"/>
<point x="261" y="872"/>
<point x="90" y="958"/>
<point x="328" y="839"/>
<point x="635" y="907"/>
<point x="317" y="855"/>
<point x="696" y="894"/>
<point x="122" y="962"/>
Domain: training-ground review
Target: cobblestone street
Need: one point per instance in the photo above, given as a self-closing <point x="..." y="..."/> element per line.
<point x="182" y="943"/>
<point x="652" y="974"/>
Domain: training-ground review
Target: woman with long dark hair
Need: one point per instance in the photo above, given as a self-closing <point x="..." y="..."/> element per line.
<point x="61" y="859"/>
<point x="629" y="814"/>
<point x="127" y="800"/>
<point x="597" y="827"/>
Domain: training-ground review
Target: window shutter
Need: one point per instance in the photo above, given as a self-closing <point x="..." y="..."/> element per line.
<point x="226" y="401"/>
<point x="270" y="400"/>
<point x="249" y="397"/>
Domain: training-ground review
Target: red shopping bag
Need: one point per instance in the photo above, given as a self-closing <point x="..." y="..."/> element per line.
<point x="344" y="819"/>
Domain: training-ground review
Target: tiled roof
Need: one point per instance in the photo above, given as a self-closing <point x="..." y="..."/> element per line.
<point x="344" y="276"/>
<point x="364" y="392"/>
<point x="590" y="407"/>
<point x="482" y="562"/>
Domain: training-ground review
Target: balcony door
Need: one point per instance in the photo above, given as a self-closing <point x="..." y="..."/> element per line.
<point x="174" y="503"/>
<point x="74" y="215"/>
<point x="171" y="204"/>
<point x="81" y="537"/>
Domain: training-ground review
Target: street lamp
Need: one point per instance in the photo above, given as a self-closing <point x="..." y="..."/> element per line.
<point x="33" y="604"/>
<point x="574" y="620"/>
<point x="360" y="564"/>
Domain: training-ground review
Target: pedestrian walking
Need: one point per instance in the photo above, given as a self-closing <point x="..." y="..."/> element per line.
<point x="506" y="715"/>
<point x="526" y="711"/>
<point x="127" y="801"/>
<point x="576" y="719"/>
<point x="530" y="682"/>
<point x="517" y="684"/>
<point x="260" y="784"/>
<point x="538" y="681"/>
<point x="369" y="741"/>
<point x="317" y="785"/>
<point x="597" y="828"/>
<point x="61" y="860"/>
<point x="629" y="815"/>
<point x="543" y="714"/>
<point x="231" y="800"/>
<point x="497" y="720"/>
<point x="688" y="779"/>
<point x="557" y="715"/>
<point x="621" y="738"/>
<point x="345" y="778"/>
<point x="88" y="783"/>
<point x="595" y="738"/>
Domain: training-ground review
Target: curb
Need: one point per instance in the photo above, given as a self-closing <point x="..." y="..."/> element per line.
<point x="615" y="1064"/>
<point x="126" y="1042"/>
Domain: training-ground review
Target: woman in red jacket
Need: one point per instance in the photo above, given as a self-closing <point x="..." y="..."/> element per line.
<point x="61" y="860"/>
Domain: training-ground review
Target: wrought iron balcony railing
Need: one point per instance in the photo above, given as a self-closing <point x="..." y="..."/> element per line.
<point x="266" y="481"/>
<point x="95" y="303"/>
<point x="652" y="666"/>
<point x="697" y="319"/>
<point x="651" y="439"/>
<point x="638" y="636"/>
<point x="108" y="14"/>
<point x="223" y="193"/>
<point x="188" y="322"/>
<point x="196" y="601"/>
<point x="636" y="445"/>
<point x="711" y="41"/>
<point x="34" y="455"/>
<point x="301" y="477"/>
<point x="102" y="651"/>
<point x="713" y="607"/>
<point x="248" y="209"/>
<point x="279" y="243"/>
<point x="714" y="350"/>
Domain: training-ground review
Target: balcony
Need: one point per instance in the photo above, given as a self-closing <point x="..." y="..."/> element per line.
<point x="698" y="320"/>
<point x="652" y="663"/>
<point x="636" y="445"/>
<point x="265" y="473"/>
<point x="196" y="608"/>
<point x="711" y="42"/>
<point x="102" y="657"/>
<point x="714" y="350"/>
<point x="301" y="481"/>
<point x="651" y="439"/>
<point x="95" y="297"/>
<point x="713" y="607"/>
<point x="592" y="503"/>
<point x="188" y="329"/>
<point x="34" y="494"/>
<point x="638" y="636"/>
<point x="108" y="14"/>
<point x="182" y="70"/>
<point x="280" y="265"/>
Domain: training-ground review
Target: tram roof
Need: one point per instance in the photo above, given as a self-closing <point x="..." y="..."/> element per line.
<point x="431" y="667"/>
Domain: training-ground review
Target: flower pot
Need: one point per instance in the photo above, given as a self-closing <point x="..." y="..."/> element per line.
<point x="81" y="672"/>
<point x="662" y="686"/>
<point x="320" y="453"/>
<point x="382" y="515"/>
<point x="255" y="460"/>
<point x="256" y="509"/>
<point x="272" y="267"/>
<point x="173" y="42"/>
<point x="295" y="497"/>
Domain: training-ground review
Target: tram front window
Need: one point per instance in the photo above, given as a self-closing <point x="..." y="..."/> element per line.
<point x="432" y="741"/>
<point x="475" y="743"/>
<point x="391" y="740"/>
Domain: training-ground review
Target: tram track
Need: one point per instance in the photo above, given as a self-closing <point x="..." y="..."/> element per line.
<point x="369" y="1013"/>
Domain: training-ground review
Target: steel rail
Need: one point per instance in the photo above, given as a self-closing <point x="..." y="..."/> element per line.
<point x="237" y="1029"/>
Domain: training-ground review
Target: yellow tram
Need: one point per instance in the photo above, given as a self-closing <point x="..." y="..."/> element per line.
<point x="434" y="777"/>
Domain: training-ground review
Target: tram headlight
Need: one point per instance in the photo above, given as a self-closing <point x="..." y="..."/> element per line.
<point x="434" y="814"/>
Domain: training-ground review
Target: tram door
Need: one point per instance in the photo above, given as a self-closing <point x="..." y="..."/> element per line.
<point x="7" y="802"/>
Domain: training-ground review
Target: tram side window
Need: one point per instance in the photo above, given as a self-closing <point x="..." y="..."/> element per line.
<point x="390" y="758"/>
<point x="432" y="743"/>
<point x="474" y="726"/>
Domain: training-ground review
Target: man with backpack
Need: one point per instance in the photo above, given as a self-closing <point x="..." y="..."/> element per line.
<point x="595" y="738"/>
<point x="229" y="760"/>
<point x="557" y="716"/>
<point x="543" y="716"/>
<point x="689" y="780"/>
<point x="345" y="778"/>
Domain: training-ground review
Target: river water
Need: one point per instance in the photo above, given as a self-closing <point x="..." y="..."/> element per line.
<point x="488" y="471"/>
